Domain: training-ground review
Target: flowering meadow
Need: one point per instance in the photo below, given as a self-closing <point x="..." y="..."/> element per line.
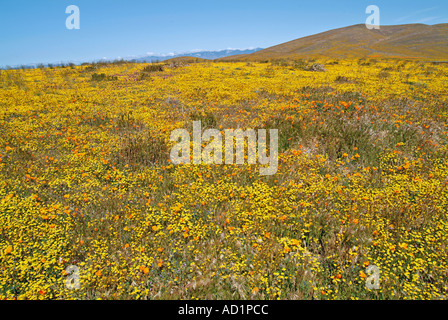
<point x="362" y="180"/>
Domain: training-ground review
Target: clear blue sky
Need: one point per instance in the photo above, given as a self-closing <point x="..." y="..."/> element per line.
<point x="33" y="31"/>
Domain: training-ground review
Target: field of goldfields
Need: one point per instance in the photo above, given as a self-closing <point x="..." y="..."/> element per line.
<point x="86" y="181"/>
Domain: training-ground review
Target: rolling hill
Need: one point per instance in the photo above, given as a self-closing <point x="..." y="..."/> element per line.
<point x="402" y="41"/>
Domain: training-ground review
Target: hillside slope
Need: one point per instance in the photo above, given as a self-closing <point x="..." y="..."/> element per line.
<point x="404" y="41"/>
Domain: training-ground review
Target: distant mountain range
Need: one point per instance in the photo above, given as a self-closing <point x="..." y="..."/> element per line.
<point x="419" y="41"/>
<point x="210" y="55"/>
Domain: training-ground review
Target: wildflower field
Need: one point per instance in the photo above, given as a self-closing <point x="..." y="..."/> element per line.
<point x="86" y="181"/>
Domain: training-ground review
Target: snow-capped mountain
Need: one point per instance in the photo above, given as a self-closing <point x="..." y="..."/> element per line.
<point x="211" y="55"/>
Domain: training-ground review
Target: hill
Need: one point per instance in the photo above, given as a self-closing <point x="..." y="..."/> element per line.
<point x="403" y="41"/>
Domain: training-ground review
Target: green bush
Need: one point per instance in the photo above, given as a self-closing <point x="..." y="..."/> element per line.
<point x="103" y="77"/>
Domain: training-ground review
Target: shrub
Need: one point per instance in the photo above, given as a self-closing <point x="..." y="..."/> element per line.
<point x="102" y="77"/>
<point x="153" y="68"/>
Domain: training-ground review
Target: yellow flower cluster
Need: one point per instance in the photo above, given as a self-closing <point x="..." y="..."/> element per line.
<point x="86" y="181"/>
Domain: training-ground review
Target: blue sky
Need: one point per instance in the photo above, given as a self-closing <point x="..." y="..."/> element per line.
<point x="34" y="31"/>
